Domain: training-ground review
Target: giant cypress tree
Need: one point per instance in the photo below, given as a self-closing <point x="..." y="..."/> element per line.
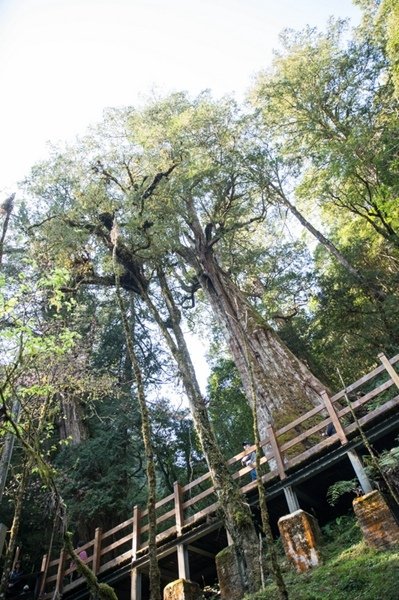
<point x="178" y="176"/>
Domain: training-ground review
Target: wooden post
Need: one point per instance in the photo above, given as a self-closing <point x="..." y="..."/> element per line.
<point x="276" y="451"/>
<point x="60" y="573"/>
<point x="179" y="515"/>
<point x="334" y="417"/>
<point x="182" y="553"/>
<point x="3" y="534"/>
<point x="136" y="532"/>
<point x="135" y="576"/>
<point x="97" y="550"/>
<point x="43" y="574"/>
<point x="388" y="367"/>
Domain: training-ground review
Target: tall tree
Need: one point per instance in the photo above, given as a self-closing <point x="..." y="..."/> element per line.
<point x="181" y="187"/>
<point x="328" y="105"/>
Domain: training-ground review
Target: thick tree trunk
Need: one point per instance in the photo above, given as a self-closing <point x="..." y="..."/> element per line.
<point x="284" y="386"/>
<point x="71" y="423"/>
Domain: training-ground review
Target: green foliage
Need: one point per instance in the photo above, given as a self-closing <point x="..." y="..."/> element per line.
<point x="92" y="475"/>
<point x="229" y="411"/>
<point x="339" y="488"/>
<point x="178" y="456"/>
<point x="388" y="462"/>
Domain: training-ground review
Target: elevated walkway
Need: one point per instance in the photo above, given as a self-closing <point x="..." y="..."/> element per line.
<point x="190" y="529"/>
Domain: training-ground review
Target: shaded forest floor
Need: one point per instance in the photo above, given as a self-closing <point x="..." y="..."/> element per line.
<point x="350" y="570"/>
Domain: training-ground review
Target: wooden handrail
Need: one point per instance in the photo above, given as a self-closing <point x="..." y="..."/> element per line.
<point x="388" y="366"/>
<point x="334" y="417"/>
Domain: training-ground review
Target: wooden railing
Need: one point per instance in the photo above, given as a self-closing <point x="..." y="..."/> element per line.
<point x="284" y="450"/>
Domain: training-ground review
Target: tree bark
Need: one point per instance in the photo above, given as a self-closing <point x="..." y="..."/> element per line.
<point x="284" y="386"/>
<point x="6" y="210"/>
<point x="71" y="423"/>
<point x="371" y="290"/>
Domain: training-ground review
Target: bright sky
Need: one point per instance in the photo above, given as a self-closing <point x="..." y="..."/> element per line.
<point x="63" y="61"/>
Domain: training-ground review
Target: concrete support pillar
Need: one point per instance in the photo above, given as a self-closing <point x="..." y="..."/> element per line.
<point x="300" y="534"/>
<point x="135" y="588"/>
<point x="182" y="590"/>
<point x="182" y="561"/>
<point x="230" y="582"/>
<point x="379" y="527"/>
<point x="360" y="472"/>
<point x="292" y="499"/>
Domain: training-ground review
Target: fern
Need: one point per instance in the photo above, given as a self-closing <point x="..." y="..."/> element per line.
<point x="339" y="488"/>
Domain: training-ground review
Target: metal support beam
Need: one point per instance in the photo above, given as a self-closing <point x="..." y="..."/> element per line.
<point x="291" y="498"/>
<point x="360" y="472"/>
<point x="183" y="562"/>
<point x="200" y="551"/>
<point x="135" y="588"/>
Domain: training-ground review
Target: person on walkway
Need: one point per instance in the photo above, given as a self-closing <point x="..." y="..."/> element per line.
<point x="249" y="460"/>
<point x="83" y="557"/>
<point x="15" y="575"/>
<point x="81" y="553"/>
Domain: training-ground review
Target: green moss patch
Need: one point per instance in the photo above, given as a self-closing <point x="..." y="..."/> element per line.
<point x="350" y="570"/>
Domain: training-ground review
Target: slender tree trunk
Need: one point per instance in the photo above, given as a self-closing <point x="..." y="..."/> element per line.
<point x="5" y="209"/>
<point x="371" y="290"/>
<point x="332" y="249"/>
<point x="7" y="450"/>
<point x="237" y="514"/>
<point x="15" y="527"/>
<point x="155" y="577"/>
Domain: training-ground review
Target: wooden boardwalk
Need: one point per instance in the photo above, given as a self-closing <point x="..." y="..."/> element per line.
<point x="190" y="513"/>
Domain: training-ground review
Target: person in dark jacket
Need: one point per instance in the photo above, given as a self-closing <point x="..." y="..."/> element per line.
<point x="249" y="459"/>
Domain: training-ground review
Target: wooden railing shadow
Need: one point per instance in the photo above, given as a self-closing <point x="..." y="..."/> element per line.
<point x="285" y="450"/>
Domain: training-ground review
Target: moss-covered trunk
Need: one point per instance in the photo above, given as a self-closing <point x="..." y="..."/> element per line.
<point x="15" y="527"/>
<point x="155" y="577"/>
<point x="237" y="514"/>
